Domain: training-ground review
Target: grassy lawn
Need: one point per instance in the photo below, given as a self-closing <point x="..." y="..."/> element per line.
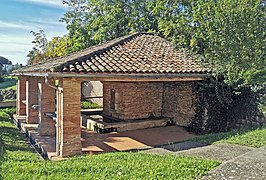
<point x="8" y="83"/>
<point x="19" y="162"/>
<point x="246" y="137"/>
<point x="89" y="105"/>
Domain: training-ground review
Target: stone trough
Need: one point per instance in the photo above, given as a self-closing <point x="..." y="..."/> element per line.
<point x="97" y="124"/>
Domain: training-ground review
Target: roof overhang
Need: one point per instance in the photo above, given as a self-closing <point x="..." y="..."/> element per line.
<point x="123" y="77"/>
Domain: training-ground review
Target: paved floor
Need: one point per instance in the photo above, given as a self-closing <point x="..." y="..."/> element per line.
<point x="238" y="162"/>
<point x="220" y="152"/>
<point x="93" y="143"/>
<point x="251" y="165"/>
<point x="135" y="139"/>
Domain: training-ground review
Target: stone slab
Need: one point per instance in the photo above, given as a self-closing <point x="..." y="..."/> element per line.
<point x="157" y="151"/>
<point x="220" y="152"/>
<point x="251" y="165"/>
<point x="183" y="146"/>
<point x="91" y="122"/>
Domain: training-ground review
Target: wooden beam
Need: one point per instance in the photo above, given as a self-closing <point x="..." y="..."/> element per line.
<point x="142" y="79"/>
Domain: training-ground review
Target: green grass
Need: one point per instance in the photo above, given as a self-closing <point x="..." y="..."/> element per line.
<point x="89" y="105"/>
<point x="19" y="162"/>
<point x="9" y="111"/>
<point x="246" y="137"/>
<point x="8" y="83"/>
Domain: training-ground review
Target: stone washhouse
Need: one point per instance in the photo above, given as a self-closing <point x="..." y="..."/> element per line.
<point x="144" y="77"/>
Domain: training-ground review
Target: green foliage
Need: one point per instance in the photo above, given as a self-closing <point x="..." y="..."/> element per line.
<point x="229" y="34"/>
<point x="245" y="137"/>
<point x="57" y="47"/>
<point x="89" y="105"/>
<point x="44" y="50"/>
<point x="233" y="37"/>
<point x="36" y="55"/>
<point x="92" y="22"/>
<point x="18" y="161"/>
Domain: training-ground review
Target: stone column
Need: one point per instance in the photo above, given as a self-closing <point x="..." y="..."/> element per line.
<point x="46" y="104"/>
<point x="69" y="117"/>
<point x="21" y="96"/>
<point x="31" y="99"/>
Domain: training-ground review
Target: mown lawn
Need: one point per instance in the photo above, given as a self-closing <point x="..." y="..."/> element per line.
<point x="245" y="137"/>
<point x="19" y="162"/>
<point x="89" y="105"/>
<point x="8" y="83"/>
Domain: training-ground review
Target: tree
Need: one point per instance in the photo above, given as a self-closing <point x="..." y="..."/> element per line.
<point x="44" y="50"/>
<point x="40" y="42"/>
<point x="230" y="35"/>
<point x="57" y="47"/>
<point x="91" y="22"/>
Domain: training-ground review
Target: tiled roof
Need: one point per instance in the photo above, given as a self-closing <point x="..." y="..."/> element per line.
<point x="137" y="53"/>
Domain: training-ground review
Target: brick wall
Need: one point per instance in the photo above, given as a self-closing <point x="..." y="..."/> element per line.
<point x="21" y="95"/>
<point x="69" y="117"/>
<point x="32" y="99"/>
<point x="178" y="102"/>
<point x="133" y="100"/>
<point x="46" y="104"/>
<point x="142" y="100"/>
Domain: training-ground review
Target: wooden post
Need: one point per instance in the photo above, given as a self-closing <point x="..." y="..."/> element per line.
<point x="21" y="96"/>
<point x="46" y="104"/>
<point x="69" y="117"/>
<point x="31" y="99"/>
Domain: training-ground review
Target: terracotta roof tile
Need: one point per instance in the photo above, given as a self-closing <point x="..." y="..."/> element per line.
<point x="138" y="53"/>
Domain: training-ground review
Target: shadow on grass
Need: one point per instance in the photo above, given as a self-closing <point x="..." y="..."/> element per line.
<point x="12" y="140"/>
<point x="7" y="83"/>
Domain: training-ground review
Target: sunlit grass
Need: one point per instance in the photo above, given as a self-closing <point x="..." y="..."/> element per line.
<point x="246" y="137"/>
<point x="89" y="105"/>
<point x="19" y="162"/>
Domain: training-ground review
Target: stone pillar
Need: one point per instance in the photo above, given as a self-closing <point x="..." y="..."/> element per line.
<point x="46" y="104"/>
<point x="31" y="99"/>
<point x="21" y="96"/>
<point x="69" y="117"/>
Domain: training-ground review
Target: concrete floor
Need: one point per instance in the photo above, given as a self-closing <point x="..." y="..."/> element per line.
<point x="93" y="143"/>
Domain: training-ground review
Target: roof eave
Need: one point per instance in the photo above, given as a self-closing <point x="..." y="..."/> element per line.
<point x="117" y="76"/>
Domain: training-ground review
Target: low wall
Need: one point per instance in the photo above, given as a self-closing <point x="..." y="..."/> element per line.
<point x="8" y="104"/>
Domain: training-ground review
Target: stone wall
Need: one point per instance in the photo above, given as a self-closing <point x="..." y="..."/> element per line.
<point x="142" y="100"/>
